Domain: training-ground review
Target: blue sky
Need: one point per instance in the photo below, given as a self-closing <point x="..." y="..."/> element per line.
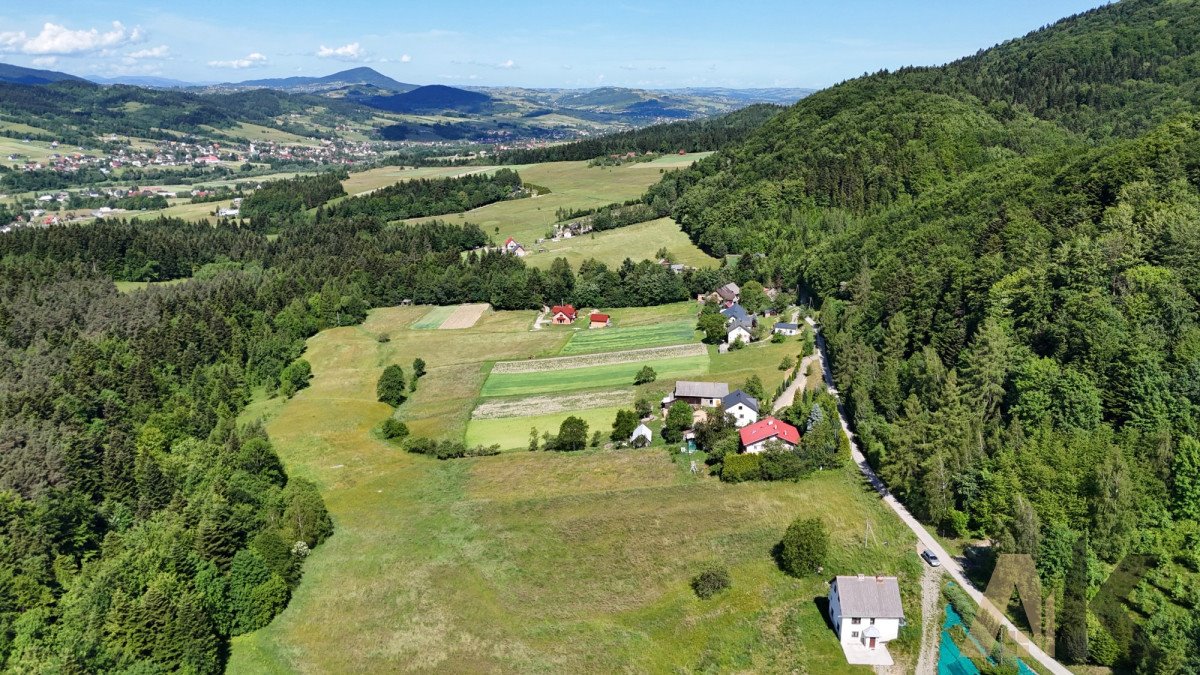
<point x="570" y="43"/>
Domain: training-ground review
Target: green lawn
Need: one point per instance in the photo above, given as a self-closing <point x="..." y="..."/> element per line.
<point x="513" y="432"/>
<point x="612" y="247"/>
<point x="595" y="377"/>
<point x="130" y="286"/>
<point x="434" y="317"/>
<point x="617" y="338"/>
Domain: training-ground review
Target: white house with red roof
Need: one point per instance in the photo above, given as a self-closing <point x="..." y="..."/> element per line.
<point x="756" y="436"/>
<point x="563" y="314"/>
<point x="513" y="247"/>
<point x="598" y="320"/>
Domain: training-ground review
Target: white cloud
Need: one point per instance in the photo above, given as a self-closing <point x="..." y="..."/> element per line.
<point x="45" y="61"/>
<point x="58" y="39"/>
<point x="249" y="61"/>
<point x="405" y="58"/>
<point x="507" y="65"/>
<point x="159" y="52"/>
<point x="350" y="52"/>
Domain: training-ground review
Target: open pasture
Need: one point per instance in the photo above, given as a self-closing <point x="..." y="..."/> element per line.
<point x="434" y="318"/>
<point x="619" y="337"/>
<point x="612" y="247"/>
<point x="512" y="433"/>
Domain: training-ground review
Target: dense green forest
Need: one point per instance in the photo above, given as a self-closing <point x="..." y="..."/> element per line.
<point x="283" y="200"/>
<point x="1005" y="254"/>
<point x="692" y="136"/>
<point x="432" y="196"/>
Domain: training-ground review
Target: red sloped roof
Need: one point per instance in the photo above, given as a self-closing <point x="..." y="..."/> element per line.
<point x="769" y="427"/>
<point x="508" y="241"/>
<point x="599" y="317"/>
<point x="569" y="310"/>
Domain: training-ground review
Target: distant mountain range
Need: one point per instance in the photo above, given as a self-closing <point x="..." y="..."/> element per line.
<point x="473" y="113"/>
<point x="19" y="75"/>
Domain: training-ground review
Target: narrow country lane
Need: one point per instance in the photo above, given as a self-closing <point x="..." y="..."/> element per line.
<point x="927" y="540"/>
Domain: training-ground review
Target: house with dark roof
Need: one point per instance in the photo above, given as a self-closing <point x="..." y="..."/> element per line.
<point x="756" y="436"/>
<point x="786" y="328"/>
<point x="513" y="247"/>
<point x="729" y="293"/>
<point x="698" y="394"/>
<point x="866" y="613"/>
<point x="735" y="313"/>
<point x="742" y="406"/>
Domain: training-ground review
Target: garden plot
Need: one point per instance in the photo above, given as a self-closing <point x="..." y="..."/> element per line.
<point x="464" y="316"/>
<point x="559" y="363"/>
<point x="620" y="374"/>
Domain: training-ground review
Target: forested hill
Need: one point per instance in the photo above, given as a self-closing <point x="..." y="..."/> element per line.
<point x="1005" y="254"/>
<point x="690" y="136"/>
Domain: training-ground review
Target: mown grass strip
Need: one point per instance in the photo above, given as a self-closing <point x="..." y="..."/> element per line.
<point x="634" y="337"/>
<point x="573" y="379"/>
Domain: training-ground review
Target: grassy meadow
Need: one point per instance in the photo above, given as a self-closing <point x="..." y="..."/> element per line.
<point x="616" y="338"/>
<point x="595" y="377"/>
<point x="540" y="562"/>
<point x="612" y="247"/>
<point x="573" y="185"/>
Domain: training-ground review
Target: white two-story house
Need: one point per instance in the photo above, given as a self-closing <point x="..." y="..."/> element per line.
<point x="865" y="610"/>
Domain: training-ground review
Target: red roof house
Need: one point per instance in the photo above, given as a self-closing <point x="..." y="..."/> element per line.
<point x="598" y="320"/>
<point x="755" y="437"/>
<point x="562" y="314"/>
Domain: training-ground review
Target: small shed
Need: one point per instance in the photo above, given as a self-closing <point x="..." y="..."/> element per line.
<point x="641" y="436"/>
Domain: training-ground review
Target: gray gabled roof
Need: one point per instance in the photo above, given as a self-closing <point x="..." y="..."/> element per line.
<point x="870" y="597"/>
<point x="738" y="396"/>
<point x="787" y="326"/>
<point x="737" y="313"/>
<point x="686" y="389"/>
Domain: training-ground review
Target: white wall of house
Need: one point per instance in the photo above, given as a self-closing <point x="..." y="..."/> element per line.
<point x="761" y="446"/>
<point x="850" y="628"/>
<point x="743" y="415"/>
<point x="739" y="332"/>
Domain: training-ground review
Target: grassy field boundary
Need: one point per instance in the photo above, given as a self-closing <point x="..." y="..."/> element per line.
<point x="555" y="363"/>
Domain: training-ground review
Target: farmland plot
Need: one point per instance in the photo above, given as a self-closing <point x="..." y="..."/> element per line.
<point x="611" y="339"/>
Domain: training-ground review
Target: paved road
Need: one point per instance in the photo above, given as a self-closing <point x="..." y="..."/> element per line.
<point x="951" y="565"/>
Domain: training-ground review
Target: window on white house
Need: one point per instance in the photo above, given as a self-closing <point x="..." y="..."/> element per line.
<point x="854" y="634"/>
<point x="856" y="621"/>
<point x="872" y="622"/>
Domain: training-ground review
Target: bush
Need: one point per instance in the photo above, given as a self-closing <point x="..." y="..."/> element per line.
<point x="778" y="338"/>
<point x="448" y="449"/>
<point x="783" y="465"/>
<point x="738" y="468"/>
<point x="787" y="363"/>
<point x="643" y="407"/>
<point x="393" y="429"/>
<point x="645" y="375"/>
<point x="713" y="580"/>
<point x="804" y="547"/>
<point x="418" y="367"/>
<point x="679" y="418"/>
<point x="383" y="338"/>
<point x="294" y="377"/>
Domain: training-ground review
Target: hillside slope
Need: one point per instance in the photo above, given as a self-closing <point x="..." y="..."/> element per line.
<point x="1005" y="253"/>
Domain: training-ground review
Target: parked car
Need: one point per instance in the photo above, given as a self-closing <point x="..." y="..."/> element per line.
<point x="931" y="558"/>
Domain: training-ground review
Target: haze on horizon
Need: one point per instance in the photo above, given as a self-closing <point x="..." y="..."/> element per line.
<point x="770" y="43"/>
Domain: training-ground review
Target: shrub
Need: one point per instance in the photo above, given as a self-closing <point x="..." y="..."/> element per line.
<point x="393" y="429"/>
<point x="418" y="367"/>
<point x="643" y="407"/>
<point x="804" y="547"/>
<point x="788" y="362"/>
<point x="778" y="338"/>
<point x="645" y="375"/>
<point x="713" y="580"/>
<point x="447" y="449"/>
<point x="294" y="377"/>
<point x="738" y="468"/>
<point x="383" y="338"/>
<point x="679" y="417"/>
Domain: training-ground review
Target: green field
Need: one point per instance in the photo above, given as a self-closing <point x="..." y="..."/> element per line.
<point x="574" y="185"/>
<point x="612" y="247"/>
<point x="525" y="384"/>
<point x="513" y="432"/>
<point x="434" y="317"/>
<point x="541" y="562"/>
<point x="617" y="338"/>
